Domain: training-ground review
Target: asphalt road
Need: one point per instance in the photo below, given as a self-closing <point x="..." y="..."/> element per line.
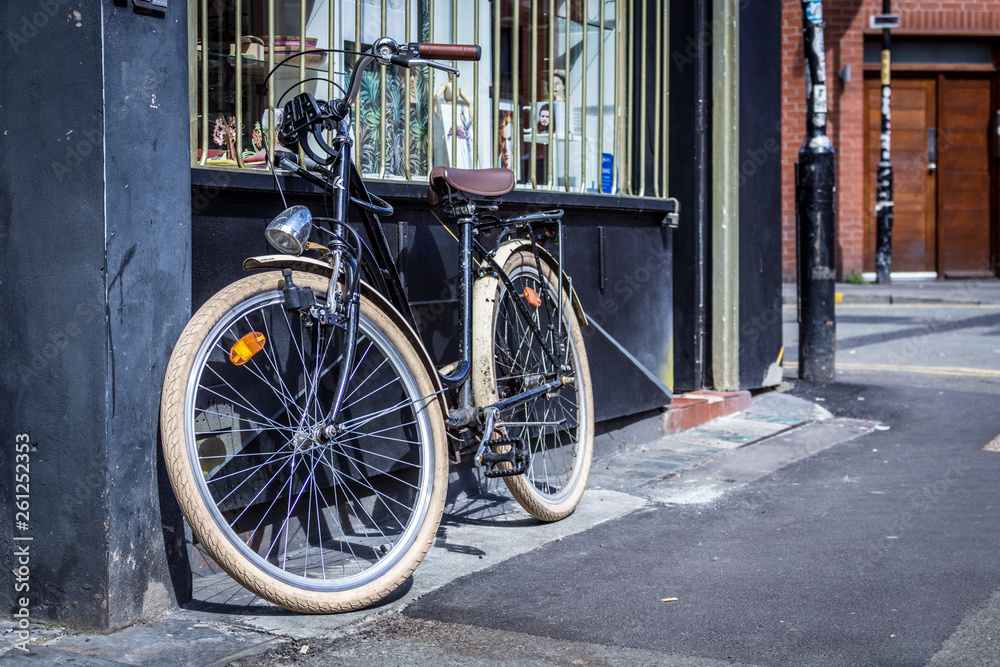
<point x="938" y="346"/>
<point x="880" y="550"/>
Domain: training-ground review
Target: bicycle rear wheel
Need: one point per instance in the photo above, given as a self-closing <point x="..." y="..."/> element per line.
<point x="313" y="515"/>
<point x="557" y="427"/>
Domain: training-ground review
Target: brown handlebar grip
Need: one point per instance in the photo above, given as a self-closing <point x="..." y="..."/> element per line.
<point x="451" y="51"/>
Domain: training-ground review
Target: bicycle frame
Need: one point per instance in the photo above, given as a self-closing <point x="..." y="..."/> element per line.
<point x="378" y="265"/>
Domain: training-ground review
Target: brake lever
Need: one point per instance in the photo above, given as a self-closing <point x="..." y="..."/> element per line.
<point x="411" y="62"/>
<point x="436" y="65"/>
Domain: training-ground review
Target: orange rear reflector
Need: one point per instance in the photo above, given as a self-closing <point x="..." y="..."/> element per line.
<point x="246" y="347"/>
<point x="531" y="296"/>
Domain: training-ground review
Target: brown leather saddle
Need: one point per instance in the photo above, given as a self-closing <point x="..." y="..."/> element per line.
<point x="481" y="182"/>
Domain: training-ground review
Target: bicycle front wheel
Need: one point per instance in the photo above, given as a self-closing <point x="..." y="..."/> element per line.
<point x="312" y="514"/>
<point x="510" y="357"/>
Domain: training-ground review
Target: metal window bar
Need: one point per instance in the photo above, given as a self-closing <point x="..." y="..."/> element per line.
<point x="515" y="90"/>
<point x="600" y="97"/>
<point x="239" y="83"/>
<point x="332" y="58"/>
<point x="356" y="118"/>
<point x="406" y="102"/>
<point x="643" y="112"/>
<point x="585" y="102"/>
<point x="301" y="60"/>
<point x="496" y="84"/>
<point x="533" y="154"/>
<point x="550" y="149"/>
<point x="665" y="103"/>
<point x="474" y="111"/>
<point x="629" y="99"/>
<point x="272" y="129"/>
<point x="569" y="107"/>
<point x="454" y="88"/>
<point x="430" y="91"/>
<point x="658" y="106"/>
<point x="383" y="125"/>
<point x="619" y="85"/>
<point x="204" y="82"/>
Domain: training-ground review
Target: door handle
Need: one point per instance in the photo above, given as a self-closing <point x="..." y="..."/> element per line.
<point x="931" y="148"/>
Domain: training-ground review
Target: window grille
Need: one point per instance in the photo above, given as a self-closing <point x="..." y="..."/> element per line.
<point x="570" y="94"/>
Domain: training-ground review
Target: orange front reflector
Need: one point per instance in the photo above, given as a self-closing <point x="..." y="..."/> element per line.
<point x="246" y="347"/>
<point x="531" y="296"/>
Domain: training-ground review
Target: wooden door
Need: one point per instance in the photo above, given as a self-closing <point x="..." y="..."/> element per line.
<point x="914" y="232"/>
<point x="942" y="168"/>
<point x="963" y="215"/>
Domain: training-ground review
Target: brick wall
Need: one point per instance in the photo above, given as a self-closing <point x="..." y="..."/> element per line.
<point x="846" y="22"/>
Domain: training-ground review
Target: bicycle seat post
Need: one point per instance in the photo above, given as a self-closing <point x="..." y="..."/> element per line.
<point x="465" y="298"/>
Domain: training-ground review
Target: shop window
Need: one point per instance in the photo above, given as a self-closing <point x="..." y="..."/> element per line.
<point x="550" y="98"/>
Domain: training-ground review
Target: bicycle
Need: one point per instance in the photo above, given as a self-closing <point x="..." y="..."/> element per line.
<point x="305" y="428"/>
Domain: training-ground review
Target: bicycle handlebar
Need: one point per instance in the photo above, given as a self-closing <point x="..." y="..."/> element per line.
<point x="309" y="115"/>
<point x="451" y="51"/>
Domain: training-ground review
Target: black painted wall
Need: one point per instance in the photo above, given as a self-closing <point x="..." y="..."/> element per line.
<point x="94" y="288"/>
<point x="760" y="191"/>
<point x="760" y="338"/>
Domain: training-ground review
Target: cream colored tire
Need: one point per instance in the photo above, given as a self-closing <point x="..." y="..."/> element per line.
<point x="508" y="359"/>
<point x="310" y="521"/>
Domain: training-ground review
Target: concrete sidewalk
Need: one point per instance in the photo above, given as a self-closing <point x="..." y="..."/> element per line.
<point x="977" y="291"/>
<point x="226" y="623"/>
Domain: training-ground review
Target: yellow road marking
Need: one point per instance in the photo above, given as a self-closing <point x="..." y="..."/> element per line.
<point x="925" y="370"/>
<point x="841" y="305"/>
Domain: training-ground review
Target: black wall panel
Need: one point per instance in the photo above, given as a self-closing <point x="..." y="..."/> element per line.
<point x="634" y="308"/>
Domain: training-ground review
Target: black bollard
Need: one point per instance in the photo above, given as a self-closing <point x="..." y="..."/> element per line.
<point x="814" y="214"/>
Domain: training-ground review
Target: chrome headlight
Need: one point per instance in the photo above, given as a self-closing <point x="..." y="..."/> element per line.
<point x="289" y="231"/>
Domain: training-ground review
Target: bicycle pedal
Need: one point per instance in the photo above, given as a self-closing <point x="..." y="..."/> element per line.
<point x="517" y="457"/>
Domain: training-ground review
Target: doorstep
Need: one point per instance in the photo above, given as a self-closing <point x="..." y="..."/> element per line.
<point x="694" y="408"/>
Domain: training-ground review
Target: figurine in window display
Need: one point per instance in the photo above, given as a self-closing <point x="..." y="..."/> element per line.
<point x="506" y="139"/>
<point x="558" y="86"/>
<point x="457" y="125"/>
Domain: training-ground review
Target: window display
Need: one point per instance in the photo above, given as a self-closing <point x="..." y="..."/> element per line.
<point x="548" y="100"/>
